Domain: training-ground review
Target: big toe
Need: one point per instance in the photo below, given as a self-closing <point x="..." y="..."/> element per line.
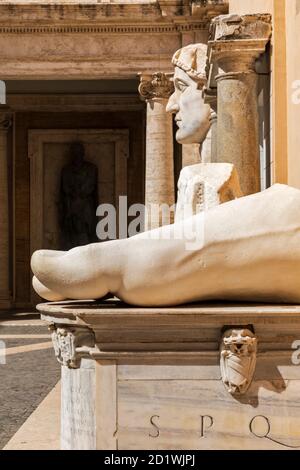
<point x="44" y="292"/>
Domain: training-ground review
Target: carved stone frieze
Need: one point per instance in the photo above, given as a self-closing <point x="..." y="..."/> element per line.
<point x="108" y="17"/>
<point x="103" y="29"/>
<point x="70" y="343"/>
<point x="238" y="359"/>
<point x="156" y="86"/>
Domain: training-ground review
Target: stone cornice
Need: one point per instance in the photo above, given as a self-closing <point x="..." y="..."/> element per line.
<point x="94" y="11"/>
<point x="74" y="103"/>
<point x="76" y="12"/>
<point x="115" y="326"/>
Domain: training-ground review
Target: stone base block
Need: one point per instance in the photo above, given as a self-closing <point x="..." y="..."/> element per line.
<point x="205" y="376"/>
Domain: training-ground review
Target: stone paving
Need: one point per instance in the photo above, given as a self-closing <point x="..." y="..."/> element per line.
<point x="28" y="376"/>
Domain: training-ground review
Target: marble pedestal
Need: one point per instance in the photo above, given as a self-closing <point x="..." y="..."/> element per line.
<point x="150" y="378"/>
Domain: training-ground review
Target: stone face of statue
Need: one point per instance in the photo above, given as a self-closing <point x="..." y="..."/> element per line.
<point x="192" y="115"/>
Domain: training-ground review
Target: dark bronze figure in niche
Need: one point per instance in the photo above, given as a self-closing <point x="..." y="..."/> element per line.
<point x="78" y="199"/>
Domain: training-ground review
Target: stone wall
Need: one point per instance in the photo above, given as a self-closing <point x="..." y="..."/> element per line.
<point x="244" y="7"/>
<point x="293" y="89"/>
<point x="88" y="40"/>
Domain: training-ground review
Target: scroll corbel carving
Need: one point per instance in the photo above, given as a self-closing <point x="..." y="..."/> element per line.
<point x="238" y="359"/>
<point x="70" y="344"/>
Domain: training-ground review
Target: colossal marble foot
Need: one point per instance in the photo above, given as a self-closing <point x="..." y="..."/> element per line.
<point x="245" y="250"/>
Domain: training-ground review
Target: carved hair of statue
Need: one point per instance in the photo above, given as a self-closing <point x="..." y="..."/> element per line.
<point x="192" y="60"/>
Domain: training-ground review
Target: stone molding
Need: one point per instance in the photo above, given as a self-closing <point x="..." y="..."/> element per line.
<point x="71" y="344"/>
<point x="104" y="29"/>
<point x="116" y="326"/>
<point x="43" y="102"/>
<point x="156" y="86"/>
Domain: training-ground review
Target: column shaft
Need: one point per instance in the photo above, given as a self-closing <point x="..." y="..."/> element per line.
<point x="155" y="89"/>
<point x="235" y="44"/>
<point x="238" y="139"/>
<point x="214" y="137"/>
<point x="210" y="97"/>
<point x="159" y="161"/>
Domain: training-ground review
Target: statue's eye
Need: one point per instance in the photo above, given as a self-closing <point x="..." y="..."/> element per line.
<point x="180" y="85"/>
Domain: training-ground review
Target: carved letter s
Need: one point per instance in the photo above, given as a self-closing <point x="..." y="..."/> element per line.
<point x="155" y="426"/>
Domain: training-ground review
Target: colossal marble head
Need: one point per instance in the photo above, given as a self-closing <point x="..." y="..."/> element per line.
<point x="192" y="115"/>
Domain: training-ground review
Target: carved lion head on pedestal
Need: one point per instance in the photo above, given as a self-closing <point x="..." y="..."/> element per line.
<point x="238" y="359"/>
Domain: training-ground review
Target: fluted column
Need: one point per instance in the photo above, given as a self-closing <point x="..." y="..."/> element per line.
<point x="5" y="123"/>
<point x="236" y="43"/>
<point x="155" y="89"/>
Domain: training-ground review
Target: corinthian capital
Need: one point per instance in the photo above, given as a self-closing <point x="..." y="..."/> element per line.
<point x="235" y="43"/>
<point x="234" y="27"/>
<point x="155" y="86"/>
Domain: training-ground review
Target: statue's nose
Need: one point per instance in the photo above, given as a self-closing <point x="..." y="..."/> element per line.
<point x="172" y="106"/>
